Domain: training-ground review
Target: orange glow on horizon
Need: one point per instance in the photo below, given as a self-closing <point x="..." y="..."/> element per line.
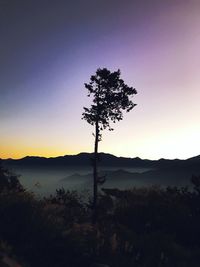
<point x="16" y="152"/>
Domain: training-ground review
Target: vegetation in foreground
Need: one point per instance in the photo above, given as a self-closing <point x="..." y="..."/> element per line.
<point x="138" y="228"/>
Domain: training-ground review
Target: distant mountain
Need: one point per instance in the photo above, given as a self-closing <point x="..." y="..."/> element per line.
<point x="120" y="172"/>
<point x="84" y="160"/>
<point x="116" y="174"/>
<point x="126" y="179"/>
<point x="81" y="160"/>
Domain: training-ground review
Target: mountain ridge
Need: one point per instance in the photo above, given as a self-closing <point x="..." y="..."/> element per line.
<point x="100" y="153"/>
<point x="84" y="159"/>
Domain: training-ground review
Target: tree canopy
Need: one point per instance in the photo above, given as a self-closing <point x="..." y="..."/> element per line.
<point x="111" y="96"/>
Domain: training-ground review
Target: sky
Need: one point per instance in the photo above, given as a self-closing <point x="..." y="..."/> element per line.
<point x="49" y="49"/>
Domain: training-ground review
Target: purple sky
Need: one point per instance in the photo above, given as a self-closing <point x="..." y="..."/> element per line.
<point x="48" y="49"/>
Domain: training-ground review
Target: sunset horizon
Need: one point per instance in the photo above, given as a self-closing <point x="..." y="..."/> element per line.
<point x="50" y="50"/>
<point x="91" y="152"/>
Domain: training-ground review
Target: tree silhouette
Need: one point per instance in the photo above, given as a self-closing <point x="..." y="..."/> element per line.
<point x="111" y="96"/>
<point x="9" y="182"/>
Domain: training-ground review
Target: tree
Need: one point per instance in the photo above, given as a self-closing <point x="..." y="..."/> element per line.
<point x="111" y="96"/>
<point x="9" y="182"/>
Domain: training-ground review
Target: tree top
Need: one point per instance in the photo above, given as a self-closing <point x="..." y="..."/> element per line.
<point x="110" y="97"/>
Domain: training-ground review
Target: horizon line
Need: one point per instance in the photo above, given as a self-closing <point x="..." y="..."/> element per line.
<point x="101" y="152"/>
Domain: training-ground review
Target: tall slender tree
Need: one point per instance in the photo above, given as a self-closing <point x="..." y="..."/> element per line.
<point x="110" y="97"/>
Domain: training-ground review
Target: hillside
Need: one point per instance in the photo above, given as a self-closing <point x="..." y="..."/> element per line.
<point x="105" y="160"/>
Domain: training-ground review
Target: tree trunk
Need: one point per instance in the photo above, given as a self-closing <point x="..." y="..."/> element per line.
<point x="95" y="174"/>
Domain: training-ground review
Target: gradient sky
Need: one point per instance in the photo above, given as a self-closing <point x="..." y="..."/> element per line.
<point x="48" y="49"/>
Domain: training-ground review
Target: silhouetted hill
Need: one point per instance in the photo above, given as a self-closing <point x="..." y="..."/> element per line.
<point x="105" y="160"/>
<point x="82" y="160"/>
<point x="126" y="179"/>
<point x="116" y="174"/>
<point x="120" y="172"/>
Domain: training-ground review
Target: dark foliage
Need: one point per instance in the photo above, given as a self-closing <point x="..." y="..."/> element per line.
<point x="9" y="181"/>
<point x="34" y="230"/>
<point x="144" y="227"/>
